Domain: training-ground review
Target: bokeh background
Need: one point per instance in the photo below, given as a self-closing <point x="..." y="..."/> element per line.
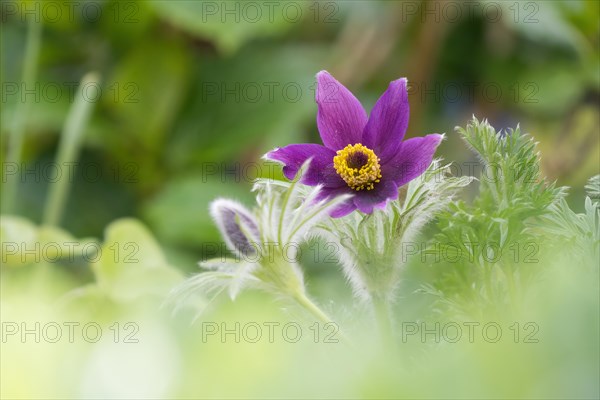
<point x="193" y="93"/>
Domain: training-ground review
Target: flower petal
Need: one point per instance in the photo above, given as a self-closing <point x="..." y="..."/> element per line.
<point x="320" y="169"/>
<point x="388" y="120"/>
<point x="237" y="225"/>
<point x="412" y="159"/>
<point x="340" y="117"/>
<point x="366" y="200"/>
<point x="344" y="208"/>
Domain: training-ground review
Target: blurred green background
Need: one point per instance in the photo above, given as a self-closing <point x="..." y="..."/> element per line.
<point x="193" y="93"/>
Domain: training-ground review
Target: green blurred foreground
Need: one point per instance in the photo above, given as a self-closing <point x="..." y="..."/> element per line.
<point x="246" y="350"/>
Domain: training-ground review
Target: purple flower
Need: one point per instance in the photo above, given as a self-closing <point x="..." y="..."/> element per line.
<point x="365" y="156"/>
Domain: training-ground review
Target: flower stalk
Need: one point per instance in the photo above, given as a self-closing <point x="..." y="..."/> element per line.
<point x="384" y="319"/>
<point x="311" y="307"/>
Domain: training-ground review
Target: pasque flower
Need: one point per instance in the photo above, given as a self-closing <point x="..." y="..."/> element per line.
<point x="364" y="156"/>
<point x="264" y="243"/>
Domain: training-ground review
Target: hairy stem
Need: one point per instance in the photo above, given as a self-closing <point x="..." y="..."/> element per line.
<point x="311" y="307"/>
<point x="383" y="316"/>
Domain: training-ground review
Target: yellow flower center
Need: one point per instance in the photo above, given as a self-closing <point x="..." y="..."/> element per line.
<point x="358" y="166"/>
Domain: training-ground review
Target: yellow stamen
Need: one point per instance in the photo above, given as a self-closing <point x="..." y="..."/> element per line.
<point x="358" y="166"/>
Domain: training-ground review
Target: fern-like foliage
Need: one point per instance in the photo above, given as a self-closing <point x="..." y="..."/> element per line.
<point x="489" y="254"/>
<point x="577" y="235"/>
<point x="593" y="189"/>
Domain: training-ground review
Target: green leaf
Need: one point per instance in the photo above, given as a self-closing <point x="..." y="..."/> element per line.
<point x="540" y="85"/>
<point x="260" y="99"/>
<point x="131" y="264"/>
<point x="16" y="233"/>
<point x="179" y="213"/>
<point x="146" y="100"/>
<point x="230" y="24"/>
<point x="24" y="243"/>
<point x="543" y="21"/>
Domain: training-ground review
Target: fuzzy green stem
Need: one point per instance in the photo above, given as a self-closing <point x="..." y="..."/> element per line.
<point x="282" y="275"/>
<point x="70" y="142"/>
<point x="383" y="315"/>
<point x="17" y="131"/>
<point x="311" y="307"/>
<point x="513" y="289"/>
